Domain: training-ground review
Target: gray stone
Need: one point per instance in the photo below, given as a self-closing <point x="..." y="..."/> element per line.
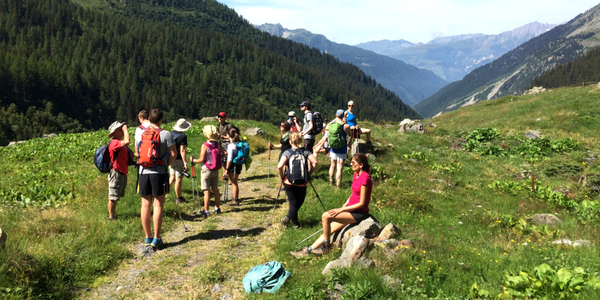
<point x="3" y="238"/>
<point x="49" y="135"/>
<point x="581" y="243"/>
<point x="568" y="242"/>
<point x="565" y="242"/>
<point x="254" y="131"/>
<point x="533" y="135"/>
<point x="364" y="263"/>
<point x="368" y="228"/>
<point x="417" y="128"/>
<point x="225" y="297"/>
<point x="548" y="219"/>
<point x="216" y="288"/>
<point x="391" y="281"/>
<point x="390" y="145"/>
<point x="14" y="143"/>
<point x="354" y="250"/>
<point x="388" y="232"/>
<point x="535" y="90"/>
<point x="358" y="146"/>
<point x="209" y="119"/>
<point x="146" y="251"/>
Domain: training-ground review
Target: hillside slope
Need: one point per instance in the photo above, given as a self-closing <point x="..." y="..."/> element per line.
<point x="512" y="73"/>
<point x="74" y="66"/>
<point x="410" y="83"/>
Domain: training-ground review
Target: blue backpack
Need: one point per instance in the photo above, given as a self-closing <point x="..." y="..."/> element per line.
<point x="102" y="159"/>
<point x="243" y="153"/>
<point x="268" y="277"/>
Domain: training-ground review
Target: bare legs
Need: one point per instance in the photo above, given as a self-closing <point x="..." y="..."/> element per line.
<point x="336" y="164"/>
<point x="215" y="190"/>
<point x="146" y="214"/>
<point x="331" y="225"/>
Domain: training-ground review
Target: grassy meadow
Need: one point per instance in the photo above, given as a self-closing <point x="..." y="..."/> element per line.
<point x="462" y="193"/>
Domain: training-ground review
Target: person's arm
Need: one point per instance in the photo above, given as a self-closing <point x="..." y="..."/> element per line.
<point x="202" y="156"/>
<point x="312" y="164"/>
<point x="296" y="124"/>
<point x="345" y="208"/>
<point x="229" y="156"/>
<point x="125" y="140"/>
<point x="349" y="133"/>
<point x="183" y="158"/>
<point x="172" y="154"/>
<point x="281" y="165"/>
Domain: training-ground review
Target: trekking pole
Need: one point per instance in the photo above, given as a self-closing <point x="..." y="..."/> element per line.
<point x="302" y="241"/>
<point x="273" y="213"/>
<point x="179" y="212"/>
<point x="313" y="187"/>
<point x="269" y="165"/>
<point x="195" y="190"/>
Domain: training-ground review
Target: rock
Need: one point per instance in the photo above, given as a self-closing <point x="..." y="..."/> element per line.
<point x="368" y="228"/>
<point x="3" y="238"/>
<point x="548" y="219"/>
<point x="216" y="288"/>
<point x="49" y="135"/>
<point x="14" y="143"/>
<point x="417" y="128"/>
<point x="364" y="263"/>
<point x="568" y="242"/>
<point x="354" y="250"/>
<point x="254" y="131"/>
<point x="371" y="157"/>
<point x="146" y="251"/>
<point x="119" y="288"/>
<point x="580" y="243"/>
<point x="535" y="90"/>
<point x="225" y="297"/>
<point x="388" y="232"/>
<point x="390" y="145"/>
<point x="391" y="281"/>
<point x="209" y="119"/>
<point x="358" y="146"/>
<point x="533" y="135"/>
<point x="408" y="125"/>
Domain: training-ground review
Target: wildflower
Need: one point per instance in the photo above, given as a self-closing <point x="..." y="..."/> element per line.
<point x="459" y="222"/>
<point x="440" y="268"/>
<point x="512" y="241"/>
<point x="499" y="221"/>
<point x="583" y="162"/>
<point x="496" y="260"/>
<point x="411" y="268"/>
<point x="424" y="251"/>
<point x="428" y="261"/>
<point x="525" y="244"/>
<point x="450" y="228"/>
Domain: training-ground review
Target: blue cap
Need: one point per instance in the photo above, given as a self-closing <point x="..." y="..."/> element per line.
<point x="339" y="113"/>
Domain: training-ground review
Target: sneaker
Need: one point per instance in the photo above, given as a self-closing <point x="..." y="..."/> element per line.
<point x="113" y="218"/>
<point x="331" y="183"/>
<point x="156" y="243"/>
<point x="217" y="210"/>
<point x="180" y="200"/>
<point x="285" y="221"/>
<point x="323" y="250"/>
<point x="302" y="253"/>
<point x="148" y="241"/>
<point x="205" y="214"/>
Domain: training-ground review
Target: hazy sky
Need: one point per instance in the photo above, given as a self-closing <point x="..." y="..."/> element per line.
<point x="357" y="21"/>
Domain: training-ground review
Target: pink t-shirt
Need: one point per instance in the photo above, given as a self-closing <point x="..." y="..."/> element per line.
<point x="357" y="182"/>
<point x="120" y="163"/>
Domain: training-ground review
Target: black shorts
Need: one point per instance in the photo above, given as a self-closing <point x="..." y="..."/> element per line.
<point x="359" y="216"/>
<point x="237" y="169"/>
<point x="153" y="184"/>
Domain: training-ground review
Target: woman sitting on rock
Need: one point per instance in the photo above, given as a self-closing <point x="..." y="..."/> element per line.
<point x="355" y="210"/>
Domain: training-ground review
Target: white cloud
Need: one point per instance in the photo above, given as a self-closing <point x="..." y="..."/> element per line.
<point x="356" y="21"/>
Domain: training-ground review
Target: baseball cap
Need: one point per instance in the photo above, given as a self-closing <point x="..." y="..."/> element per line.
<point x="305" y="103"/>
<point x="339" y="113"/>
<point x="292" y="114"/>
<point x="222" y="114"/>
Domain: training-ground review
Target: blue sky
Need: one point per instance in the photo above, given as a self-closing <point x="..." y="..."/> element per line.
<point x="357" y="21"/>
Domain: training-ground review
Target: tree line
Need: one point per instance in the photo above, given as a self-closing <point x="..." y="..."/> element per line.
<point x="584" y="69"/>
<point x="69" y="68"/>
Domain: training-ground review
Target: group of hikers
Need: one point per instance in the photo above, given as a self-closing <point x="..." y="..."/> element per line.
<point x="162" y="162"/>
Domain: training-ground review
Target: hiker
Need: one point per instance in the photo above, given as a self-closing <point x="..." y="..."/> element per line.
<point x="309" y="138"/>
<point x="322" y="146"/>
<point x="223" y="133"/>
<point x="293" y="121"/>
<point x="119" y="156"/>
<point x="144" y="123"/>
<point x="356" y="130"/>
<point x="300" y="164"/>
<point x="211" y="159"/>
<point x="337" y="131"/>
<point x="180" y="164"/>
<point x="233" y="169"/>
<point x="284" y="140"/>
<point x="153" y="182"/>
<point x="355" y="210"/>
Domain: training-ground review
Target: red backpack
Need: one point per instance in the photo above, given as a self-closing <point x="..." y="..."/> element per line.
<point x="148" y="148"/>
<point x="213" y="162"/>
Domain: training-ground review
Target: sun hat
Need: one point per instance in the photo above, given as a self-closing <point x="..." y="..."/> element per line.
<point x="292" y="114"/>
<point x="339" y="113"/>
<point x="210" y="132"/>
<point x="114" y="126"/>
<point x="350" y="102"/>
<point x="222" y="114"/>
<point x="182" y="125"/>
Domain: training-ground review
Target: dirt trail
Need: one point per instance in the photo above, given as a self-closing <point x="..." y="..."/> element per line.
<point x="217" y="251"/>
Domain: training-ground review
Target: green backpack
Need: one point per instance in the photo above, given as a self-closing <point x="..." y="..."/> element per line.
<point x="336" y="135"/>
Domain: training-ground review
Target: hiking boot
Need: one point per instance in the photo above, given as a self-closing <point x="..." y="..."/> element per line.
<point x="217" y="210"/>
<point x="180" y="200"/>
<point x="148" y="241"/>
<point x="285" y="221"/>
<point x="323" y="250"/>
<point x="113" y="218"/>
<point x="157" y="243"/>
<point x="331" y="183"/>
<point x="302" y="253"/>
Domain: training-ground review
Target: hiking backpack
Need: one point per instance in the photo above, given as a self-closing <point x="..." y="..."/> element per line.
<point x="268" y="277"/>
<point x="243" y="153"/>
<point x="297" y="172"/>
<point x="213" y="161"/>
<point x="336" y="135"/>
<point x="317" y="121"/>
<point x="148" y="148"/>
<point x="102" y="159"/>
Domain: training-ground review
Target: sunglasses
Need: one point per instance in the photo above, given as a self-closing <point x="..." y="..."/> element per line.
<point x="350" y="105"/>
<point x="220" y="117"/>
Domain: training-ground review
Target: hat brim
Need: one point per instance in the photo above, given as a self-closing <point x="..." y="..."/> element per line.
<point x="187" y="125"/>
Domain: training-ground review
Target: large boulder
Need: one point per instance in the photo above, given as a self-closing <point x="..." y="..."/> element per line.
<point x="254" y="131"/>
<point x="3" y="238"/>
<point x="547" y="219"/>
<point x="388" y="232"/>
<point x="209" y="119"/>
<point x="411" y="126"/>
<point x="352" y="253"/>
<point x="368" y="228"/>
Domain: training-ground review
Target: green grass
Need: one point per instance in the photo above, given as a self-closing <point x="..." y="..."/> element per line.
<point x="464" y="232"/>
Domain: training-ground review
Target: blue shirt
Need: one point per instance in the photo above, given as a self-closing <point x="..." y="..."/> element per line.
<point x="351" y="119"/>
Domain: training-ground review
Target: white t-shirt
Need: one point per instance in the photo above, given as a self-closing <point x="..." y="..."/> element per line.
<point x="138" y="133"/>
<point x="231" y="151"/>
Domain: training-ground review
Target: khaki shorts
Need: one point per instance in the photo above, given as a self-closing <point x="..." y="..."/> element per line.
<point x="176" y="168"/>
<point x="117" y="182"/>
<point x="209" y="178"/>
